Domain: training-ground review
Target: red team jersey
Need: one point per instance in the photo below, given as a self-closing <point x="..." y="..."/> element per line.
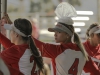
<point x="67" y="59"/>
<point x="18" y="58"/>
<point x="93" y="51"/>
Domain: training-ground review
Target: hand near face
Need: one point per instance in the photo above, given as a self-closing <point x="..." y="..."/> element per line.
<point x="5" y="20"/>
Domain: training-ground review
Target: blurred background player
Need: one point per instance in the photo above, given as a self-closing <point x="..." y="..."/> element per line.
<point x="92" y="44"/>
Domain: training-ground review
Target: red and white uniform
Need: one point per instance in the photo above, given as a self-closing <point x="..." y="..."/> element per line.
<point x="18" y="58"/>
<point x="67" y="59"/>
<point x="93" y="51"/>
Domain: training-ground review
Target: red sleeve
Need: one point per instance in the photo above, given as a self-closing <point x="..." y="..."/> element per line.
<point x="91" y="67"/>
<point x="5" y="41"/>
<point x="10" y="55"/>
<point x="48" y="50"/>
<point x="14" y="71"/>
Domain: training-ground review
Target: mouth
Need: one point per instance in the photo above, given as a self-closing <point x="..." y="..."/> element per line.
<point x="55" y="38"/>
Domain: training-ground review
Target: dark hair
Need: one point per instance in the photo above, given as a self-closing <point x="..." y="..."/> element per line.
<point x="91" y="26"/>
<point x="76" y="39"/>
<point x="25" y="27"/>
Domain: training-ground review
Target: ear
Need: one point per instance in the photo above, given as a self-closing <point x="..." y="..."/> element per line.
<point x="17" y="35"/>
<point x="68" y="36"/>
<point x="92" y="35"/>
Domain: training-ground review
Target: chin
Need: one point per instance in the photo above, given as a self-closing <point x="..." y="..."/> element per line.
<point x="57" y="41"/>
<point x="12" y="41"/>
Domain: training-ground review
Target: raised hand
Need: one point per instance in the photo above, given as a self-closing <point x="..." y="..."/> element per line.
<point x="4" y="20"/>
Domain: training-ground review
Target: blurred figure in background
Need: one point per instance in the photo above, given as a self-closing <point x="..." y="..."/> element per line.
<point x="46" y="70"/>
<point x="35" y="34"/>
<point x="47" y="65"/>
<point x="92" y="44"/>
<point x="35" y="28"/>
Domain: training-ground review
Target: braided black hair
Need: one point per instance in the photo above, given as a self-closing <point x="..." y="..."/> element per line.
<point x="25" y="27"/>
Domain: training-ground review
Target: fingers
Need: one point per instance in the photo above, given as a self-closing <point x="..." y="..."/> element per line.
<point x="7" y="19"/>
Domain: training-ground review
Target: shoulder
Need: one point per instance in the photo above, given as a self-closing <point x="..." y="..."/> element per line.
<point x="71" y="46"/>
<point x="11" y="49"/>
<point x="14" y="50"/>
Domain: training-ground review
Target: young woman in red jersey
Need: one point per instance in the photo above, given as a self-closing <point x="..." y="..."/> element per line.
<point x="21" y="53"/>
<point x="92" y="44"/>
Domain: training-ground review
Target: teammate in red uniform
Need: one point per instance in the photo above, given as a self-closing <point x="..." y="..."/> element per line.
<point x="21" y="53"/>
<point x="92" y="44"/>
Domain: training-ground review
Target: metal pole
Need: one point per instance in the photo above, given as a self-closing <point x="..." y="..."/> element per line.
<point x="0" y="11"/>
<point x="98" y="5"/>
<point x="4" y="6"/>
<point x="0" y="19"/>
<point x="3" y="11"/>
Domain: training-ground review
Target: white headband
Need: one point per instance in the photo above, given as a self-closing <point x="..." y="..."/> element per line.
<point x="94" y="30"/>
<point x="12" y="27"/>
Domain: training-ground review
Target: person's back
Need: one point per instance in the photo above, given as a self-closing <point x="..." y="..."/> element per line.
<point x="70" y="61"/>
<point x="21" y="55"/>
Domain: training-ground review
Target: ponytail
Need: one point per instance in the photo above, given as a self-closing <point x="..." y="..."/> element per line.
<point x="36" y="54"/>
<point x="80" y="45"/>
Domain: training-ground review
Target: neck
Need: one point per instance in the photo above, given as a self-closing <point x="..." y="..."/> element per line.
<point x="92" y="43"/>
<point x="67" y="41"/>
<point x="19" y="42"/>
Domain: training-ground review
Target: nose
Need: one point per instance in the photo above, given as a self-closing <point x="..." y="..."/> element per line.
<point x="55" y="34"/>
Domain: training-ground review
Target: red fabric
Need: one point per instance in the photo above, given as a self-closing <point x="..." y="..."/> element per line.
<point x="14" y="71"/>
<point x="51" y="51"/>
<point x="12" y="54"/>
<point x="91" y="67"/>
<point x="35" y="30"/>
<point x="11" y="57"/>
<point x="5" y="41"/>
<point x="93" y="51"/>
